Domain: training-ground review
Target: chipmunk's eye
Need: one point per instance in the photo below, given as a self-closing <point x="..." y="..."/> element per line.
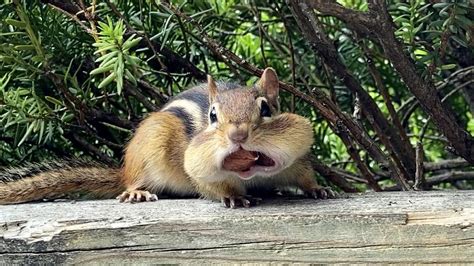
<point x="265" y="110"/>
<point x="213" y="115"/>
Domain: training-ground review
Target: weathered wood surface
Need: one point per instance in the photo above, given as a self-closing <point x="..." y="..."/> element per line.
<point x="393" y="227"/>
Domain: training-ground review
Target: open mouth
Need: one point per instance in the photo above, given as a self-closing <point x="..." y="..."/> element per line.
<point x="246" y="162"/>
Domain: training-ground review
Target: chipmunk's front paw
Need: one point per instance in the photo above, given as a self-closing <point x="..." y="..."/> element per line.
<point x="136" y="196"/>
<point x="321" y="193"/>
<point x="240" y="201"/>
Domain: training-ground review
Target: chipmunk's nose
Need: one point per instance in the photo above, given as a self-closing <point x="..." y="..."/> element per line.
<point x="238" y="133"/>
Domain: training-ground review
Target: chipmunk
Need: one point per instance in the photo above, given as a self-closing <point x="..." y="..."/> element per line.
<point x="215" y="140"/>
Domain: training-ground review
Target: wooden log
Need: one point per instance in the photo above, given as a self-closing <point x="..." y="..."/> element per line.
<point x="395" y="227"/>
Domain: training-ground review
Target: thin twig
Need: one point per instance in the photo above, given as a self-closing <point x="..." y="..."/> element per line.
<point x="91" y="148"/>
<point x="452" y="176"/>
<point x="261" y="31"/>
<point x="419" y="174"/>
<point x="292" y="53"/>
<point x="73" y="17"/>
<point x="446" y="164"/>
<point x="330" y="174"/>
<point x="409" y="106"/>
<point x="425" y="126"/>
<point x="354" y="153"/>
<point x="385" y="94"/>
<point x="89" y="13"/>
<point x="132" y="90"/>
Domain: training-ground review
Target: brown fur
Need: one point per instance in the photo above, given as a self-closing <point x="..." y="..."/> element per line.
<point x="154" y="157"/>
<point x="93" y="182"/>
<point x="228" y="187"/>
<point x="237" y="106"/>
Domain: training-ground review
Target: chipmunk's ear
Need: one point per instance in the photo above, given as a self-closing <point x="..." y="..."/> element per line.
<point x="268" y="84"/>
<point x="212" y="87"/>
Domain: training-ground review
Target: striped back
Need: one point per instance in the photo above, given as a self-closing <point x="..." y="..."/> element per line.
<point x="192" y="106"/>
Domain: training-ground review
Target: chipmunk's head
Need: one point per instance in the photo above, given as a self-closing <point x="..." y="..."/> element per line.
<point x="236" y="112"/>
<point x="250" y="136"/>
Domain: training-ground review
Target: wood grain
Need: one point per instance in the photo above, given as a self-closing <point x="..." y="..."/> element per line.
<point x="396" y="227"/>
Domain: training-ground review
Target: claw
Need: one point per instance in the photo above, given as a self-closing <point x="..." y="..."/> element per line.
<point x="321" y="193"/>
<point x="151" y="197"/>
<point x="246" y="203"/>
<point x="225" y="202"/>
<point x="136" y="196"/>
<point x="332" y="194"/>
<point x="234" y="202"/>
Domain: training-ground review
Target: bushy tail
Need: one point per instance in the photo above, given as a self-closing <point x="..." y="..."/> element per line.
<point x="59" y="179"/>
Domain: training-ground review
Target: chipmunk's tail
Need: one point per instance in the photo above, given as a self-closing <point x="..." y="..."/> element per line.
<point x="59" y="179"/>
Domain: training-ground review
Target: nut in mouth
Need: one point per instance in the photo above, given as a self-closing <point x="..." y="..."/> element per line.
<point x="246" y="163"/>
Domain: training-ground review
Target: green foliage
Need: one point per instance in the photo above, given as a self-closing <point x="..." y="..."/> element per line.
<point x="426" y="28"/>
<point x="116" y="57"/>
<point x="29" y="114"/>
